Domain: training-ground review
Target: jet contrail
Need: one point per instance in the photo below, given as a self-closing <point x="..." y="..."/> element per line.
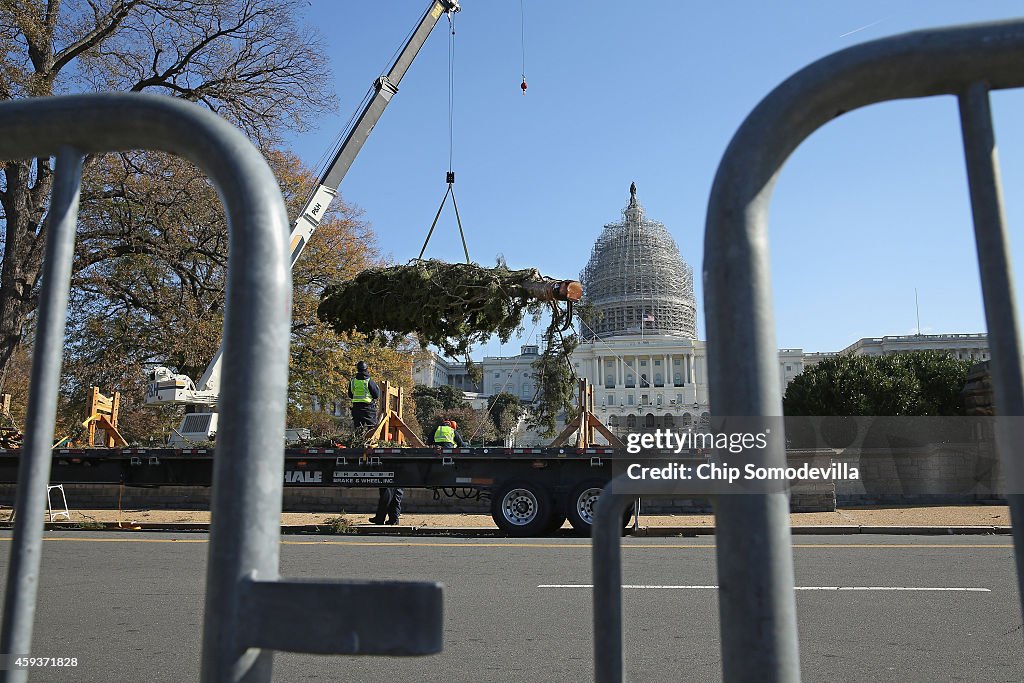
<point x="850" y="33"/>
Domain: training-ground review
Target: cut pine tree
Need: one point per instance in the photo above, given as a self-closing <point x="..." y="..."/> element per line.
<point x="455" y="306"/>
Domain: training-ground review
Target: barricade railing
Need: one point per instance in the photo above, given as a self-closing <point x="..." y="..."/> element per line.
<point x="250" y="611"/>
<point x="757" y="608"/>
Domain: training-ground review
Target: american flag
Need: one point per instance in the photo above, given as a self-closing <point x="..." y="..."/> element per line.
<point x="648" y="318"/>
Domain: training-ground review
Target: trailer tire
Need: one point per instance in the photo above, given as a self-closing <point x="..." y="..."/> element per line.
<point x="581" y="505"/>
<point x="522" y="508"/>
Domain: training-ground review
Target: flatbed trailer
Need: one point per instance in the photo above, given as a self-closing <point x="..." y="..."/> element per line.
<point x="532" y="490"/>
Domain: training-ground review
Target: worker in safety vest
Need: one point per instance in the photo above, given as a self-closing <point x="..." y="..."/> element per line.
<point x="364" y="394"/>
<point x="446" y="435"/>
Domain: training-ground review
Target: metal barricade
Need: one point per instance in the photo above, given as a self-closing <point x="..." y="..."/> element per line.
<point x="249" y="611"/>
<point x="757" y="607"/>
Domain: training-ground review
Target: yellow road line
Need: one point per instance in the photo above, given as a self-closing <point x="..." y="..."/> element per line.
<point x="89" y="539"/>
<point x="466" y="544"/>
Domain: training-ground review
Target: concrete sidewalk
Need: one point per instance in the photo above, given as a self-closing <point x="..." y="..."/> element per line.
<point x="966" y="519"/>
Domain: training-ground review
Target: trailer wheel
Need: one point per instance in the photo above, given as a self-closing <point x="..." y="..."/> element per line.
<point x="522" y="508"/>
<point x="582" y="504"/>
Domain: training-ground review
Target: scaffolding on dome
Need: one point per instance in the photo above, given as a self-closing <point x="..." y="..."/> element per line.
<point x="636" y="282"/>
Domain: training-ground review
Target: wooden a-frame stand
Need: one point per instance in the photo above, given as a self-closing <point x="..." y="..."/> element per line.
<point x="101" y="415"/>
<point x="391" y="428"/>
<point x="587" y="423"/>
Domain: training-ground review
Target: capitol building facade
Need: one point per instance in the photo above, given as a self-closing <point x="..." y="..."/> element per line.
<point x="639" y="345"/>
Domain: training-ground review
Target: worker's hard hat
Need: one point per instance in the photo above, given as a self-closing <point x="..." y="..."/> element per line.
<point x="361" y="366"/>
<point x="453" y="424"/>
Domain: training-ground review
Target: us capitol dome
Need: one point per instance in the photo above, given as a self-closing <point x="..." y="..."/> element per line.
<point x="640" y="352"/>
<point x="636" y="283"/>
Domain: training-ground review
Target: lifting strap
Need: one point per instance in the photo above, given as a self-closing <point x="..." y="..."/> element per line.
<point x="462" y="234"/>
<point x="451" y="147"/>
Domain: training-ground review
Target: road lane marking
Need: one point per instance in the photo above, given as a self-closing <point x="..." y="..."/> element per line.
<point x="892" y="588"/>
<point x="799" y="588"/>
<point x="583" y="546"/>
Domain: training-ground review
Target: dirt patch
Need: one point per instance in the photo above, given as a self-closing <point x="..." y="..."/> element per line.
<point x="949" y="515"/>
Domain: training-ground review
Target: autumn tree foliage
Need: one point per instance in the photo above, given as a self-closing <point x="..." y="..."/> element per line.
<point x="247" y="60"/>
<point x="148" y="283"/>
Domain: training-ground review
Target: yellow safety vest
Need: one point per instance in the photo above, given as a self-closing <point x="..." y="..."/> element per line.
<point x="444" y="434"/>
<point x="361" y="391"/>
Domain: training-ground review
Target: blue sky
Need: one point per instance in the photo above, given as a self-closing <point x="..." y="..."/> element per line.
<point x="871" y="206"/>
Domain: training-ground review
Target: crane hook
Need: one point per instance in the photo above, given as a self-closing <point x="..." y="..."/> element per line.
<point x="523" y="85"/>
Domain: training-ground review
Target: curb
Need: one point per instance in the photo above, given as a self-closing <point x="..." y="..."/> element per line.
<point x="403" y="530"/>
<point x="843" y="530"/>
<point x="936" y="530"/>
<point x="322" y="529"/>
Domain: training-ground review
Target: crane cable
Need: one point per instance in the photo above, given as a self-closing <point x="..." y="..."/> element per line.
<point x="522" y="40"/>
<point x="450" y="178"/>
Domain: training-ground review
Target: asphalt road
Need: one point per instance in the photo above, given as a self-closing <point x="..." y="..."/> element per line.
<point x="129" y="607"/>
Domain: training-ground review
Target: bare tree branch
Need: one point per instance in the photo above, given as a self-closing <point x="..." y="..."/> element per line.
<point x="105" y="26"/>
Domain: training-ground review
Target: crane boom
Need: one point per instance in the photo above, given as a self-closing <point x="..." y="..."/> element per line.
<point x="384" y="88"/>
<point x="166" y="387"/>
